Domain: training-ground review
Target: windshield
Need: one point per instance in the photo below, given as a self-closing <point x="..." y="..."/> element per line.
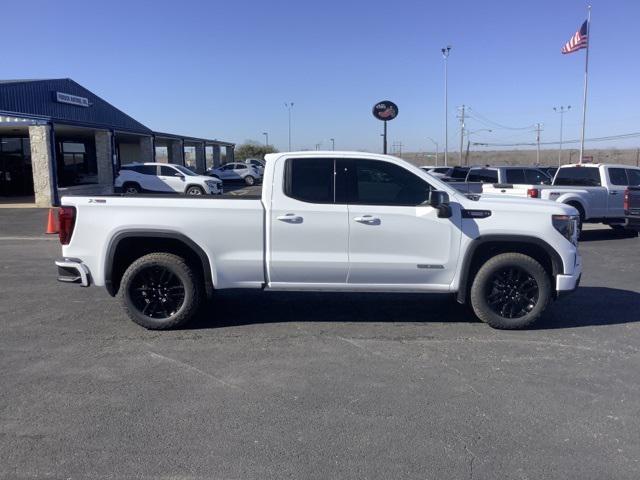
<point x="186" y="171"/>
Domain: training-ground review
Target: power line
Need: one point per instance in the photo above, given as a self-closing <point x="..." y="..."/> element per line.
<point x="473" y="113"/>
<point x="530" y="144"/>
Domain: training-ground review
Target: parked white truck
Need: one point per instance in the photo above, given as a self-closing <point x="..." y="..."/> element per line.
<point x="325" y="221"/>
<point x="595" y="190"/>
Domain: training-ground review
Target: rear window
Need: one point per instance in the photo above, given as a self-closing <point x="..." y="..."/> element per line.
<point x="618" y="176"/>
<point x="483" y="175"/>
<point x="440" y="170"/>
<point x="634" y="177"/>
<point x="310" y="179"/>
<point x="143" y="169"/>
<point x="578" y="176"/>
<point x="536" y="177"/>
<point x="459" y="173"/>
<point x="515" y="175"/>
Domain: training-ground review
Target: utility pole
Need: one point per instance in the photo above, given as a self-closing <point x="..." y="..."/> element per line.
<point x="289" y="107"/>
<point x="397" y="146"/>
<point x="561" y="110"/>
<point x="445" y="54"/>
<point x="333" y="143"/>
<point x="538" y="128"/>
<point x="466" y="156"/>
<point x="266" y="141"/>
<point x="461" y="117"/>
<point x="637" y="157"/>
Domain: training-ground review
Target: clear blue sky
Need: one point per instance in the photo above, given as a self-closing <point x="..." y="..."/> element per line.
<point x="224" y="69"/>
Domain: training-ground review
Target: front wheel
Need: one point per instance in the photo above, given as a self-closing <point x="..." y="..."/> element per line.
<point x="160" y="291"/>
<point x="194" y="191"/>
<point x="249" y="180"/>
<point x="510" y="291"/>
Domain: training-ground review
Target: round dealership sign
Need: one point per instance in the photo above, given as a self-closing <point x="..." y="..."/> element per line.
<point x="385" y="110"/>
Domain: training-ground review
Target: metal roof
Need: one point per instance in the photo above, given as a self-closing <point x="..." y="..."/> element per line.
<point x="174" y="136"/>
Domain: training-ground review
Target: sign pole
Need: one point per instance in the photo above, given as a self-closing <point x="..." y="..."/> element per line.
<point x="586" y="77"/>
<point x="384" y="139"/>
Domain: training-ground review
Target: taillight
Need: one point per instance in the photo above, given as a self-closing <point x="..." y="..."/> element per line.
<point x="66" y="222"/>
<point x="625" y="202"/>
<point x="533" y="193"/>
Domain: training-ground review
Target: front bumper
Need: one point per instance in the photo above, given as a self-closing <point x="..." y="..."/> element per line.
<point x="567" y="283"/>
<point x="71" y="270"/>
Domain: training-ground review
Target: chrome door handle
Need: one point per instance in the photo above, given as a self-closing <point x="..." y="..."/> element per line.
<point x="613" y="192"/>
<point x="290" y="218"/>
<point x="367" y="220"/>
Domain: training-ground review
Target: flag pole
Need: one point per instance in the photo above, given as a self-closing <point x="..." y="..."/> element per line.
<point x="586" y="79"/>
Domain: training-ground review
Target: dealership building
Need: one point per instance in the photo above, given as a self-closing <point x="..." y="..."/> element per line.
<point x="58" y="138"/>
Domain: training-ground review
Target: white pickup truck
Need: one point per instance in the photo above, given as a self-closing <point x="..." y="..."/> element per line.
<point x="595" y="190"/>
<point x="325" y="221"/>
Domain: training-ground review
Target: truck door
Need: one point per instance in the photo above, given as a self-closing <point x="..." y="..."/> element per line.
<point x="394" y="237"/>
<point x="308" y="231"/>
<point x="618" y="182"/>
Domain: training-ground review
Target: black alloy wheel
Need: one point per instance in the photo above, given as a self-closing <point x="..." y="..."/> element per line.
<point x="156" y="292"/>
<point x="512" y="292"/>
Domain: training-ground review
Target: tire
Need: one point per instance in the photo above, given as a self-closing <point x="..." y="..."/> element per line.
<point x="160" y="291"/>
<point x="131" y="188"/>
<point x="194" y="190"/>
<point x="249" y="180"/>
<point x="521" y="276"/>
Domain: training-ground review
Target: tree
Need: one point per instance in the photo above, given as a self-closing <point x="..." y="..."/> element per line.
<point x="253" y="149"/>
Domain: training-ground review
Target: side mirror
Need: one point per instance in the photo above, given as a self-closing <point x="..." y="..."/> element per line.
<point x="440" y="201"/>
<point x="179" y="175"/>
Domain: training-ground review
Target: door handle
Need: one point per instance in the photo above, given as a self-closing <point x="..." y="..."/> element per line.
<point x="290" y="218"/>
<point x="613" y="192"/>
<point x="367" y="220"/>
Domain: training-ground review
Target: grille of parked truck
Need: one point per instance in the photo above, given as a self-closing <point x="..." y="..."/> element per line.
<point x="325" y="221"/>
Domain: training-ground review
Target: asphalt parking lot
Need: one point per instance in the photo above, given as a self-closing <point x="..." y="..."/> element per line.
<point x="316" y="385"/>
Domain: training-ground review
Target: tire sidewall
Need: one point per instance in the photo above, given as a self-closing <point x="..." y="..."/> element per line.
<point x="482" y="280"/>
<point x="135" y="186"/>
<point x="179" y="268"/>
<point x="194" y="188"/>
<point x="249" y="180"/>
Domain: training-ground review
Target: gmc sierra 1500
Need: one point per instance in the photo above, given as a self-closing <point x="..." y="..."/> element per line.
<point x="331" y="221"/>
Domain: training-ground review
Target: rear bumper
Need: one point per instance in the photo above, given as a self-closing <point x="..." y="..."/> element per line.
<point x="71" y="270"/>
<point x="567" y="283"/>
<point x="632" y="222"/>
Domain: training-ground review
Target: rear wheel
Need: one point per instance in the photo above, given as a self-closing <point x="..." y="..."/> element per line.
<point x="160" y="291"/>
<point x="249" y="180"/>
<point x="131" y="188"/>
<point x="510" y="291"/>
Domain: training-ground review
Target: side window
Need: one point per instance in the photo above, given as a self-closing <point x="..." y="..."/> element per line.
<point x="536" y="177"/>
<point x="146" y="169"/>
<point x="167" y="171"/>
<point x="634" y="177"/>
<point x="310" y="179"/>
<point x="515" y="175"/>
<point x="239" y="166"/>
<point x="228" y="166"/>
<point x="459" y="173"/>
<point x="483" y="175"/>
<point x="618" y="176"/>
<point x="375" y="182"/>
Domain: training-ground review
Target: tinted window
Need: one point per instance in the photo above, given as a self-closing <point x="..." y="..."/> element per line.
<point x="483" y="175"/>
<point x="536" y="177"/>
<point x="310" y="179"/>
<point x="145" y="169"/>
<point x="515" y="175"/>
<point x="634" y="177"/>
<point x="239" y="166"/>
<point x="373" y="182"/>
<point x="440" y="170"/>
<point x="578" y="176"/>
<point x="459" y="173"/>
<point x="618" y="176"/>
<point x="167" y="171"/>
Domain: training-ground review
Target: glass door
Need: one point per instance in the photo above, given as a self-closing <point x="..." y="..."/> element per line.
<point x="16" y="178"/>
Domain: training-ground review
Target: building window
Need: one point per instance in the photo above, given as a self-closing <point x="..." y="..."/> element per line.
<point x="76" y="164"/>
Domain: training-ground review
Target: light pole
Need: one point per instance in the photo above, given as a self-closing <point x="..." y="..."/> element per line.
<point x="289" y="107"/>
<point x="561" y="110"/>
<point x="436" y="144"/>
<point x="445" y="54"/>
<point x="333" y="143"/>
<point x="266" y="138"/>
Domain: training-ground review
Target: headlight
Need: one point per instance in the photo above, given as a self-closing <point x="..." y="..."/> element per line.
<point x="567" y="225"/>
<point x="212" y="183"/>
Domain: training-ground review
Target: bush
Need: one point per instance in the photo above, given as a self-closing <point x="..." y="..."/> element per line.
<point x="253" y="149"/>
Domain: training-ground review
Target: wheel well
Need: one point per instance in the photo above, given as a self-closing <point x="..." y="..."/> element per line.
<point x="125" y="251"/>
<point x="482" y="252"/>
<point x="193" y="185"/>
<point x="578" y="206"/>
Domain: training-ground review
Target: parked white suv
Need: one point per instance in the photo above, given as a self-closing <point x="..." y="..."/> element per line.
<point x="236" y="172"/>
<point x="257" y="164"/>
<point x="165" y="177"/>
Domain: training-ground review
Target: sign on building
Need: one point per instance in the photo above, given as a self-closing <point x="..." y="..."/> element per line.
<point x="72" y="99"/>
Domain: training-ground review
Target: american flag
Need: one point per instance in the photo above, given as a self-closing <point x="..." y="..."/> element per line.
<point x="579" y="40"/>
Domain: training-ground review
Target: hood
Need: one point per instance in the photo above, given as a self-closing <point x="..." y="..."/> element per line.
<point x="207" y="178"/>
<point x="497" y="202"/>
